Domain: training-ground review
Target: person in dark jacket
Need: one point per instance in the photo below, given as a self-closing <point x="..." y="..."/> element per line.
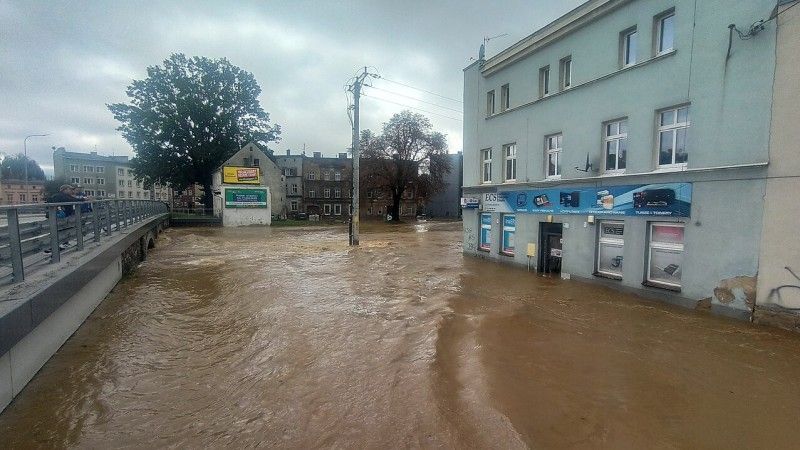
<point x="64" y="195"/>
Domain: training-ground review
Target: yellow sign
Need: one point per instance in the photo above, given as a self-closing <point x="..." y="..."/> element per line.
<point x="531" y="249"/>
<point x="241" y="175"/>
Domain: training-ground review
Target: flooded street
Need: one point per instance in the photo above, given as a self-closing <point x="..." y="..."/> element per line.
<point x="289" y="338"/>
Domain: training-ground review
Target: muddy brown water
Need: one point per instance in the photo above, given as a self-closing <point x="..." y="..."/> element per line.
<point x="288" y="338"/>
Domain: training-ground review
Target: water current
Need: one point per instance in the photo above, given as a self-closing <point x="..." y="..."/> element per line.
<point x="290" y="338"/>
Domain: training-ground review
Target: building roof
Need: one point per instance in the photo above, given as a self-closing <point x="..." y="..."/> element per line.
<point x="93" y="156"/>
<point x="555" y="30"/>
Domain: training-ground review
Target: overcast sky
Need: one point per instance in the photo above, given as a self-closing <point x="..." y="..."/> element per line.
<point x="62" y="62"/>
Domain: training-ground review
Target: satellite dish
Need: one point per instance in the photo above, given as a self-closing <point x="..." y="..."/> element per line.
<point x="586" y="167"/>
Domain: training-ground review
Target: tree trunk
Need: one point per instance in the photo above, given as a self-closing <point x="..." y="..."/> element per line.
<point x="396" y="199"/>
<point x="208" y="196"/>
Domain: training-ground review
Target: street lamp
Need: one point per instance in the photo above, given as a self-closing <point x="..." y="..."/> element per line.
<point x="25" y="146"/>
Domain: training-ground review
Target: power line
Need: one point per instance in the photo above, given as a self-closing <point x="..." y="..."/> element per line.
<point x="416" y="99"/>
<point x="421" y="90"/>
<point x="412" y="107"/>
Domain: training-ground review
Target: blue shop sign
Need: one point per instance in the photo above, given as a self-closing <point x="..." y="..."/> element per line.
<point x="660" y="200"/>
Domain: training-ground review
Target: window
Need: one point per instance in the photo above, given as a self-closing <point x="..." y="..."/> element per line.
<point x="130" y="183"/>
<point x="665" y="32"/>
<point x="75" y="180"/>
<point x="130" y="194"/>
<point x="293" y="206"/>
<point x="628" y="47"/>
<point x="369" y="193"/>
<point x="101" y="181"/>
<point x="100" y="169"/>
<point x="673" y="126"/>
<point x="294" y="189"/>
<point x="665" y="254"/>
<point x="327" y="193"/>
<point x="510" y="155"/>
<point x="566" y="73"/>
<point x="509" y="226"/>
<point x="615" y="145"/>
<point x="326" y="175"/>
<point x="88" y="169"/>
<point x="34" y="198"/>
<point x="121" y="194"/>
<point x="22" y="197"/>
<point x="544" y="81"/>
<point x="337" y="193"/>
<point x="553" y="147"/>
<point x="73" y="167"/>
<point x="337" y="176"/>
<point x="490" y="103"/>
<point x="101" y="193"/>
<point x="312" y="193"/>
<point x="138" y="194"/>
<point x="88" y="181"/>
<point x="485" y="241"/>
<point x="120" y="172"/>
<point x="256" y="162"/>
<point x="610" y="244"/>
<point x="121" y="183"/>
<point x="312" y="176"/>
<point x="504" y="97"/>
<point x="486" y="165"/>
<point x="327" y="209"/>
<point x="337" y="209"/>
<point x="130" y="173"/>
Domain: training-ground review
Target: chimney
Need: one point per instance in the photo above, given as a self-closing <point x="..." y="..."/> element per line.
<point x="317" y="154"/>
<point x="288" y="152"/>
<point x="342" y="155"/>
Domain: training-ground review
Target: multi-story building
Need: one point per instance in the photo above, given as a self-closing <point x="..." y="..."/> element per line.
<point x="104" y="176"/>
<point x="327" y="185"/>
<point x="17" y="192"/>
<point x="446" y="203"/>
<point x="292" y="168"/>
<point x="628" y="142"/>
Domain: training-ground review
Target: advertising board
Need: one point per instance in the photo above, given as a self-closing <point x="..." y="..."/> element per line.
<point x="240" y="175"/>
<point x="245" y="198"/>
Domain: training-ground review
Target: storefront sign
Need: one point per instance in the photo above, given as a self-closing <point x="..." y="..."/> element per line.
<point x="240" y="175"/>
<point x="245" y="198"/>
<point x="470" y="202"/>
<point x="659" y="200"/>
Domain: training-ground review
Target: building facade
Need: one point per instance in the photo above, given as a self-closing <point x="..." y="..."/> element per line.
<point x="447" y="203"/>
<point x="628" y="142"/>
<point x="17" y="192"/>
<point x="292" y="167"/>
<point x="327" y="186"/>
<point x="269" y="174"/>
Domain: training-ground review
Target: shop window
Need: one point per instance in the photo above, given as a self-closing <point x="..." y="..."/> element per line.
<point x="509" y="227"/>
<point x="486" y="232"/>
<point x="610" y="245"/>
<point x="665" y="255"/>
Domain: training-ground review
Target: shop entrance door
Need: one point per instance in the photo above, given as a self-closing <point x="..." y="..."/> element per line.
<point x="550" y="241"/>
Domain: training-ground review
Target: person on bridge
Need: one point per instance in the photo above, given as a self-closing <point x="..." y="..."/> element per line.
<point x="79" y="193"/>
<point x="64" y="195"/>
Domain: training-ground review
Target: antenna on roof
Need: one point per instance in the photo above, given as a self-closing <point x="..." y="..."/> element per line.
<point x="486" y="39"/>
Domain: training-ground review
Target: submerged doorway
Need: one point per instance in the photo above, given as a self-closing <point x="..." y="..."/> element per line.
<point x="550" y="241"/>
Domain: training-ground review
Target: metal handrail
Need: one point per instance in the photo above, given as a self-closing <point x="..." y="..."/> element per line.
<point x="22" y="244"/>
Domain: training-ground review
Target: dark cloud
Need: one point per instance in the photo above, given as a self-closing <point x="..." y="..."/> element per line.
<point x="63" y="61"/>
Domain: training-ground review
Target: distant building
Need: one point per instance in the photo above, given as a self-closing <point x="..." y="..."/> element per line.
<point x="104" y="176"/>
<point x="269" y="175"/>
<point x="16" y="192"/>
<point x="376" y="203"/>
<point x="446" y="204"/>
<point x="327" y="185"/>
<point x="292" y="168"/>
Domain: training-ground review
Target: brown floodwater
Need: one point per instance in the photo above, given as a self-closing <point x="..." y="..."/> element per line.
<point x="288" y="338"/>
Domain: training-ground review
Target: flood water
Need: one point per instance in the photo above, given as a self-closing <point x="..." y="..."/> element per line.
<point x="289" y="338"/>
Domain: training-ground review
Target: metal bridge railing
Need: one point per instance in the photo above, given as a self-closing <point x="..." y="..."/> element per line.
<point x="40" y="234"/>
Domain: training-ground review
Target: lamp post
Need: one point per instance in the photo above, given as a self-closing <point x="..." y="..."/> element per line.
<point x="25" y="146"/>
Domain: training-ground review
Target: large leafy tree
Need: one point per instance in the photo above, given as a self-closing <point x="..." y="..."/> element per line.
<point x="13" y="167"/>
<point x="408" y="154"/>
<point x="189" y="116"/>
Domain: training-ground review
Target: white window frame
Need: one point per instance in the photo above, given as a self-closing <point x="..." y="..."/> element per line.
<point x="326" y="193"/>
<point x="312" y="193"/>
<point x="337" y="193"/>
<point x="544" y="81"/>
<point x="659" y="34"/>
<point x="294" y="189"/>
<point x="293" y="205"/>
<point x="507" y="229"/>
<point x="327" y="209"/>
<point x="73" y="168"/>
<point x="326" y="176"/>
<point x="88" y="181"/>
<point x="76" y="180"/>
<point x="611" y="242"/>
<point x="673" y="128"/>
<point x="121" y="172"/>
<point x="565" y="72"/>
<point x="337" y="176"/>
<point x="100" y="169"/>
<point x="101" y="181"/>
<point x="505" y="100"/>
<point x="663" y="246"/>
<point x="312" y="176"/>
<point x="490" y="103"/>
<point x="337" y="209"/>
<point x="629" y="53"/>
<point x="556" y="150"/>
<point x="614" y="139"/>
<point x="88" y="169"/>
<point x="510" y="156"/>
<point x="484" y="246"/>
<point x="486" y="166"/>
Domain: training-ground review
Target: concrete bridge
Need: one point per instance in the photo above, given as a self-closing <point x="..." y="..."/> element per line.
<point x="55" y="269"/>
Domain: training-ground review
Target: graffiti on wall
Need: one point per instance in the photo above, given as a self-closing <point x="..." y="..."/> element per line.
<point x="777" y="292"/>
<point x="469" y="238"/>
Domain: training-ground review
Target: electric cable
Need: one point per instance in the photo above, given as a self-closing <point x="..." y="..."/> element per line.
<point x="418" y="89"/>
<point x="411" y="107"/>
<point x="416" y="99"/>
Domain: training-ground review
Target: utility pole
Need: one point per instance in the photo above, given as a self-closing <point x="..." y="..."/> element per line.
<point x="355" y="88"/>
<point x="25" y="146"/>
